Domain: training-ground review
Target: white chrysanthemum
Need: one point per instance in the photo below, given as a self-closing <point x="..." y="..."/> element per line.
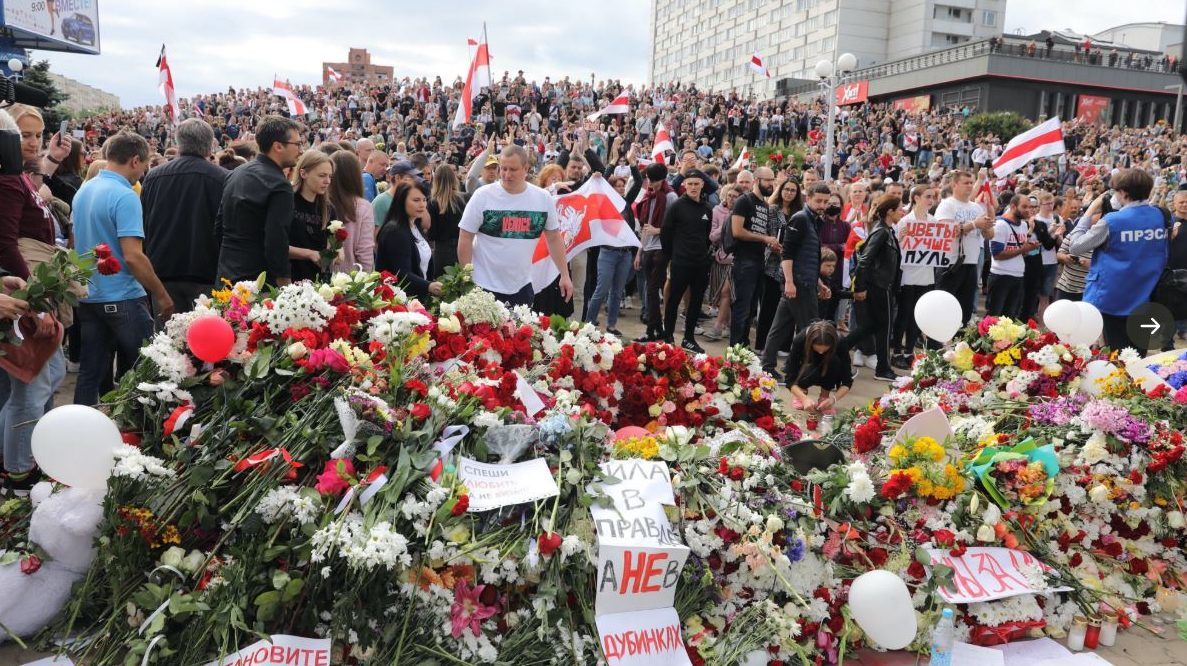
<point x="132" y="464"/>
<point x="388" y="327"/>
<point x="477" y="306"/>
<point x="1015" y="609"/>
<point x="861" y="488"/>
<point x="166" y="392"/>
<point x="286" y="502"/>
<point x="297" y="305"/>
<point x="173" y="364"/>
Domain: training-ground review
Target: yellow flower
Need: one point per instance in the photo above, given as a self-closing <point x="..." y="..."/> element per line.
<point x="898" y="453"/>
<point x="1006" y="329"/>
<point x="646" y="448"/>
<point x="756" y="394"/>
<point x="1007" y="357"/>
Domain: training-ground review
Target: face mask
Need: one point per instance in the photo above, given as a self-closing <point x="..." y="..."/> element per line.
<point x="832" y="211"/>
<point x="1115" y="202"/>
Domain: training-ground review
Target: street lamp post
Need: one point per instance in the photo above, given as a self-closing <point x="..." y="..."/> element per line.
<point x="831" y="75"/>
<point x="16" y="65"/>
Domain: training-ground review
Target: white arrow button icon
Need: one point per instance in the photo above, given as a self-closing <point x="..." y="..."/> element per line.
<point x="1153" y="326"/>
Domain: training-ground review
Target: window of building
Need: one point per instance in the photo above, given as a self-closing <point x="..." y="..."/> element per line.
<point x="988" y="17"/>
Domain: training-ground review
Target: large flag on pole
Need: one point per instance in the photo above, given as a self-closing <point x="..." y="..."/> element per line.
<point x="1042" y="140"/>
<point x="759" y="65"/>
<point x="476" y="79"/>
<point x="663" y="143"/>
<point x="281" y="88"/>
<point x="621" y="104"/>
<point x="166" y="87"/>
<point x="589" y="217"/>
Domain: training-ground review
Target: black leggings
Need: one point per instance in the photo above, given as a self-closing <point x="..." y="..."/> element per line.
<point x="874" y="319"/>
<point x="682" y="277"/>
<point x="904" y="321"/>
<point x="768" y="302"/>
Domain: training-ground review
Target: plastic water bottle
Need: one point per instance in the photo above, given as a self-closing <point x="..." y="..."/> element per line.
<point x="942" y="638"/>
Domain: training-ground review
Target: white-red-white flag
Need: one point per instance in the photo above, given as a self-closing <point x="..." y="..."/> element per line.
<point x="663" y="143"/>
<point x="476" y="79"/>
<point x="759" y="65"/>
<point x="470" y="41"/>
<point x="621" y="104"/>
<point x="282" y="88"/>
<point x="589" y="217"/>
<point x="743" y="159"/>
<point x="334" y="75"/>
<point x="1042" y="140"/>
<point x="166" y="87"/>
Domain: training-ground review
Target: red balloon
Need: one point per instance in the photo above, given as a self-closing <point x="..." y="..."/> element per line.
<point x="210" y="338"/>
<point x="629" y="432"/>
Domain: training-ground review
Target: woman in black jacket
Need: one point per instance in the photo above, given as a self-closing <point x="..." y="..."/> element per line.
<point x="875" y="282"/>
<point x="819" y="358"/>
<point x="401" y="249"/>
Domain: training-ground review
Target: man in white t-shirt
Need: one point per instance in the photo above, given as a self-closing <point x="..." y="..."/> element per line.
<point x="976" y="225"/>
<point x="501" y="227"/>
<point x="1010" y="243"/>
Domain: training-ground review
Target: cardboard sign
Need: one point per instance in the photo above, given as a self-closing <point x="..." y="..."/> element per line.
<point x="927" y="243"/>
<point x="494" y="486"/>
<point x="281" y="651"/>
<point x="644" y="525"/>
<point x="643" y="638"/>
<point x="647" y="479"/>
<point x="986" y="574"/>
<point x="631" y="578"/>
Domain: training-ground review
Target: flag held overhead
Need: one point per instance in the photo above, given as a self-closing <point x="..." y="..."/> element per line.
<point x="1042" y="140"/>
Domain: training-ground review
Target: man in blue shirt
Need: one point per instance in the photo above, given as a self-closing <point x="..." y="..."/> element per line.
<point x="374" y="168"/>
<point x="114" y="316"/>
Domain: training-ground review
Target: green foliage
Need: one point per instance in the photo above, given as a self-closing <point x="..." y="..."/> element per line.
<point x="793" y="155"/>
<point x="1005" y="125"/>
<point x="37" y="75"/>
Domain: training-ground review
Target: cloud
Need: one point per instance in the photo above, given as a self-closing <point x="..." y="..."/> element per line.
<point x="239" y="43"/>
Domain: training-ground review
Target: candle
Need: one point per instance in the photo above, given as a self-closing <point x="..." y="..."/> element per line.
<point x="1108" y="630"/>
<point x="1075" y="635"/>
<point x="1092" y="635"/>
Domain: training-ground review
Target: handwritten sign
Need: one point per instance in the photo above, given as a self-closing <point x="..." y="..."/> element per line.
<point x="927" y="243"/>
<point x="494" y="486"/>
<point x="281" y="651"/>
<point x="646" y="480"/>
<point x="985" y="574"/>
<point x="631" y="578"/>
<point x="643" y="638"/>
<point x="642" y="525"/>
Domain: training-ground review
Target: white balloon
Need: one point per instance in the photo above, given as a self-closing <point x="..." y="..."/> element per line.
<point x="1062" y="318"/>
<point x="75" y="445"/>
<point x="1091" y="324"/>
<point x="1093" y="372"/>
<point x="938" y="315"/>
<point x="881" y="606"/>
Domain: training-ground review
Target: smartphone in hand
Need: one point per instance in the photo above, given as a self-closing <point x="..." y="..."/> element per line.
<point x="62" y="133"/>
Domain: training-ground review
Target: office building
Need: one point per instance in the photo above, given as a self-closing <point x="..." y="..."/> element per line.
<point x="710" y="42"/>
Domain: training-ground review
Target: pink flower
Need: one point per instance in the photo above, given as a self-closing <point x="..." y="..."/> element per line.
<point x="324" y="358"/>
<point x="1181" y="396"/>
<point x="335" y="478"/>
<point x="468" y="609"/>
<point x="983" y="327"/>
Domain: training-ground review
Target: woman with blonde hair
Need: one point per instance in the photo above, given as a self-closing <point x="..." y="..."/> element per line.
<point x="358" y="218"/>
<point x="312" y="213"/>
<point x="445" y="212"/>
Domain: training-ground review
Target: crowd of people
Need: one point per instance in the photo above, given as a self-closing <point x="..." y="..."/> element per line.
<point x="780" y="257"/>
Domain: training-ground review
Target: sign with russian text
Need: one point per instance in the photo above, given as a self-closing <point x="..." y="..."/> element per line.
<point x="648" y="480"/>
<point x="644" y="524"/>
<point x="853" y="93"/>
<point x="643" y="638"/>
<point x="631" y="578"/>
<point x="985" y="574"/>
<point x="494" y="486"/>
<point x="917" y="104"/>
<point x="281" y="650"/>
<point x="1091" y="108"/>
<point x="928" y="242"/>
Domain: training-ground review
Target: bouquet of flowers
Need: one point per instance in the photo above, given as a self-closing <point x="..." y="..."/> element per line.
<point x="1020" y="474"/>
<point x="60" y="282"/>
<point x="336" y="235"/>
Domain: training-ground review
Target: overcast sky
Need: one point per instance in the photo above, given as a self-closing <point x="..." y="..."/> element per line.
<point x="218" y="43"/>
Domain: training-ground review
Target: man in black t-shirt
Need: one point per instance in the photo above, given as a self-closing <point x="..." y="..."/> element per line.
<point x="751" y="227"/>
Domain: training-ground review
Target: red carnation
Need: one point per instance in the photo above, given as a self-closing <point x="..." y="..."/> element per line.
<point x="460" y="506"/>
<point x="109" y="266"/>
<point x="549" y="542"/>
<point x="896" y="485"/>
<point x="101" y="251"/>
<point x="420" y="411"/>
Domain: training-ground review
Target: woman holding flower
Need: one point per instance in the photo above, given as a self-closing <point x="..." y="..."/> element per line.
<point x="358" y="218"/>
<point x="312" y="212"/>
<point x="818" y="359"/>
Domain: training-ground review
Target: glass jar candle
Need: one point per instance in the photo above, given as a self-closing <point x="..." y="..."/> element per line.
<point x="1108" y="629"/>
<point x="1075" y="635"/>
<point x="1092" y="635"/>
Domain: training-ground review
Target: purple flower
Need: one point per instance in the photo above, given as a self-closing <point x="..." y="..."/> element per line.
<point x="795" y="549"/>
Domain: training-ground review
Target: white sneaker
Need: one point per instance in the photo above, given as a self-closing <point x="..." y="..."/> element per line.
<point x="859" y="359"/>
<point x="784" y="354"/>
<point x="872" y="362"/>
<point x="627" y="304"/>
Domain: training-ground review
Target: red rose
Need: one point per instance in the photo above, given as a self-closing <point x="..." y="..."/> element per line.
<point x="944" y="538"/>
<point x="340" y="235"/>
<point x="460" y="506"/>
<point x="959" y="550"/>
<point x="878" y="556"/>
<point x="101" y="251"/>
<point x="1075" y="560"/>
<point x="334" y="479"/>
<point x="30" y="565"/>
<point x="109" y="266"/>
<point x="420" y="411"/>
<point x="549" y="542"/>
<point x="916" y="570"/>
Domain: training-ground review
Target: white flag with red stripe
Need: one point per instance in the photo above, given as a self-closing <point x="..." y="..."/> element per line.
<point x="166" y="87"/>
<point x="589" y="217"/>
<point x="621" y="104"/>
<point x="759" y="65"/>
<point x="663" y="143"/>
<point x="476" y="79"/>
<point x="334" y="75"/>
<point x="1042" y="140"/>
<point x="282" y="89"/>
<point x="743" y="159"/>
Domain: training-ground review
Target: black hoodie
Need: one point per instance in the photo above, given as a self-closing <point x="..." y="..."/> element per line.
<point x="685" y="232"/>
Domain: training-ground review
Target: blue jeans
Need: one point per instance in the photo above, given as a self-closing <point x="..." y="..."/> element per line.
<point x="614" y="267"/>
<point x="110" y="331"/>
<point x="23" y="405"/>
<point x="747" y="272"/>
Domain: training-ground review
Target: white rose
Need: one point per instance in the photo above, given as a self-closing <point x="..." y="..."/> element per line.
<point x="334" y="226"/>
<point x="774" y="524"/>
<point x="326" y="292"/>
<point x="1175" y="520"/>
<point x="297" y="350"/>
<point x="450" y="324"/>
<point x="172" y="557"/>
<point x="193" y="562"/>
<point x="985" y="534"/>
<point x="1099" y="494"/>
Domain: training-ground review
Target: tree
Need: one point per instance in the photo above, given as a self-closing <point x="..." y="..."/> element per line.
<point x="1005" y="125"/>
<point x="37" y="76"/>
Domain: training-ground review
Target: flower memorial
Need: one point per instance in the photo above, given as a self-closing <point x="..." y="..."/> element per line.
<point x="343" y="473"/>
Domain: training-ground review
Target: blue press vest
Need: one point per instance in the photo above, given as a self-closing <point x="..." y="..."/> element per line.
<point x="1126" y="268"/>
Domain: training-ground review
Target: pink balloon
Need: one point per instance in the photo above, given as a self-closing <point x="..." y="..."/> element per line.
<point x="629" y="432"/>
<point x="210" y="338"/>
